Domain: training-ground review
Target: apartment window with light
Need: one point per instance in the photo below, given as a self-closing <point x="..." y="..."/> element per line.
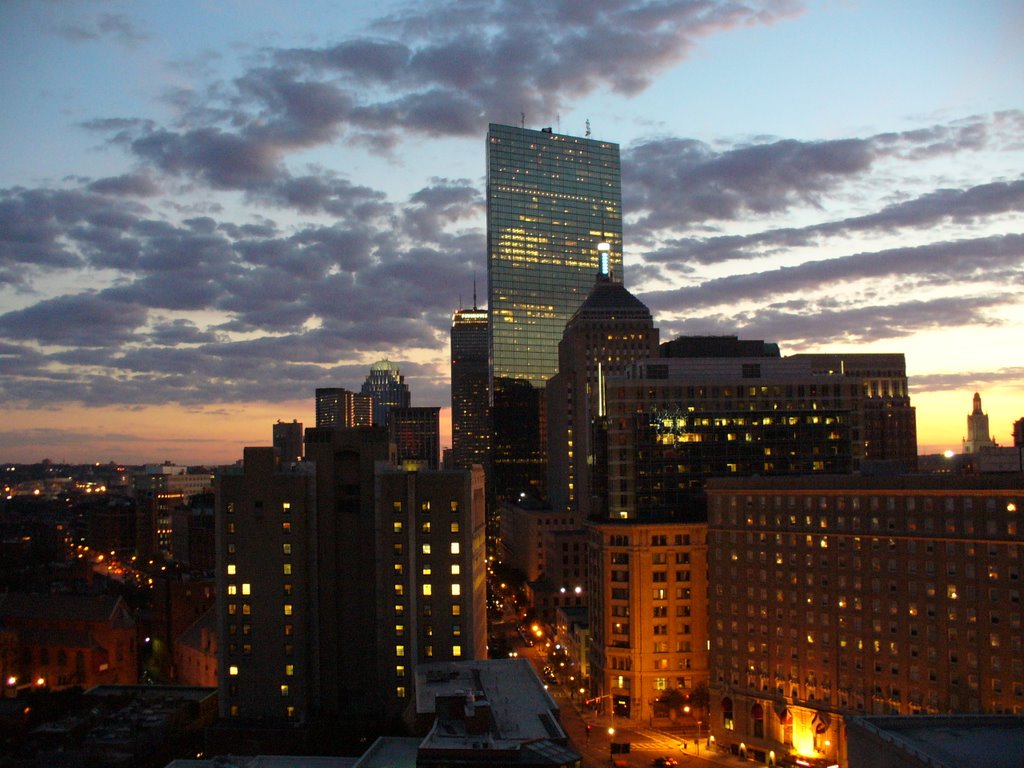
<point x="456" y="590"/>
<point x="286" y="507"/>
<point x="455" y="549"/>
<point x="425" y="549"/>
<point x="289" y="670"/>
<point x="232" y="589"/>
<point x="397" y="525"/>
<point x="427" y="590"/>
<point x="456" y="650"/>
<point x="231" y="569"/>
<point x="286" y="528"/>
<point x="456" y="609"/>
<point x="233" y="670"/>
<point x="287" y="569"/>
<point x="287" y="609"/>
<point x="286" y="549"/>
<point x="246" y="588"/>
<point x="399" y="650"/>
<point x="455" y="527"/>
<point x="284" y="689"/>
<point x="456" y="569"/>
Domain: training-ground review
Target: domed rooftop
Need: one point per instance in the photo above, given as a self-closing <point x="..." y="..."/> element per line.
<point x="610" y="300"/>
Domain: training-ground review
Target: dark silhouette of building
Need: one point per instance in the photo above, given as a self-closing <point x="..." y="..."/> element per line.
<point x="551" y="199"/>
<point x="471" y="416"/>
<point x="416" y="433"/>
<point x="287" y="436"/>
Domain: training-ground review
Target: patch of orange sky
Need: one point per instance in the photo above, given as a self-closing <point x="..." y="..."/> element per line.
<point x="216" y="435"/>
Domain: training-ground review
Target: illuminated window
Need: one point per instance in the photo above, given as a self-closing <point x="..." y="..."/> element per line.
<point x="286" y="549"/>
<point x="399" y="630"/>
<point x="286" y="507"/>
<point x="456" y="650"/>
<point x="396" y="506"/>
<point x="455" y="549"/>
<point x="289" y="670"/>
<point x="284" y="690"/>
<point x="454" y="506"/>
<point x="286" y="528"/>
<point x="426" y="549"/>
<point x="246" y="609"/>
<point x="456" y="569"/>
<point x="287" y="588"/>
<point x="289" y="712"/>
<point x="399" y="589"/>
<point x="289" y="630"/>
<point x="456" y="609"/>
<point x="231" y="527"/>
<point x="233" y="670"/>
<point x="425" y="527"/>
<point x="287" y="609"/>
<point x="426" y="570"/>
<point x="456" y="590"/>
<point x="246" y="588"/>
<point x="232" y="589"/>
<point x="427" y="590"/>
<point x="400" y="671"/>
<point x="455" y="527"/>
<point x="400" y="691"/>
<point x="287" y="569"/>
<point x="425" y="507"/>
<point x="399" y="650"/>
<point x="231" y="569"/>
<point x="397" y="526"/>
<point x="232" y="609"/>
<point x="234" y="710"/>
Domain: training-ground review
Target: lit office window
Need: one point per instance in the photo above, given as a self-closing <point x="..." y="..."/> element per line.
<point x="456" y="650"/>
<point x="287" y="609"/>
<point x="398" y="526"/>
<point x="456" y="569"/>
<point x="456" y="590"/>
<point x="286" y="549"/>
<point x="232" y="589"/>
<point x="286" y="528"/>
<point x="246" y="588"/>
<point x="284" y="690"/>
<point x="426" y="549"/>
<point x="399" y="650"/>
<point x="289" y="670"/>
<point x="286" y="507"/>
<point x="233" y="670"/>
<point x="455" y="549"/>
<point x="427" y="590"/>
<point x="454" y="527"/>
<point x="231" y="569"/>
<point x="287" y="569"/>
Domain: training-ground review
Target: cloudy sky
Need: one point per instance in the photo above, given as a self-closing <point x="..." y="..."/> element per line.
<point x="208" y="208"/>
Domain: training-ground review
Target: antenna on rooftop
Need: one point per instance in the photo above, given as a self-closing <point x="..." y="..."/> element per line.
<point x="522" y="119"/>
<point x="588" y="128"/>
<point x="474" y="291"/>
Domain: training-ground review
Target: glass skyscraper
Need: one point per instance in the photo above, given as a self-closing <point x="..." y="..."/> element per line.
<point x="551" y="199"/>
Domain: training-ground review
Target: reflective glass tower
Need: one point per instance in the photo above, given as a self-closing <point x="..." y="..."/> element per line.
<point x="551" y="199"/>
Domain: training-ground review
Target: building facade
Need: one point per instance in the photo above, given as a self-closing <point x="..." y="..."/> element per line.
<point x="336" y="576"/>
<point x="840" y="596"/>
<point x="551" y="199"/>
<point x="471" y="416"/>
<point x="648" y="613"/>
<point x="610" y="330"/>
<point x="287" y="437"/>
<point x="338" y="407"/>
<point x="416" y="434"/>
<point x="386" y="385"/>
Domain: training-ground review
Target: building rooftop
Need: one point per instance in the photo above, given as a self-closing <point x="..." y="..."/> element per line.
<point x="945" y="741"/>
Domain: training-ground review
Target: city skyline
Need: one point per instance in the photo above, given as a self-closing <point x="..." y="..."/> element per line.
<point x="202" y="220"/>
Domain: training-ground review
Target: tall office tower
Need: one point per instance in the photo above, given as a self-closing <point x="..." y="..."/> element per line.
<point x="288" y="439"/>
<point x="416" y="433"/>
<point x="338" y="407"/>
<point x="978" y="435"/>
<point x="836" y="597"/>
<point x="551" y="199"/>
<point x="609" y="331"/>
<point x="884" y="422"/>
<point x="471" y="430"/>
<point x="311" y="619"/>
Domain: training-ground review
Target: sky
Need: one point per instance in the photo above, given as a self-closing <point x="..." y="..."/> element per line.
<point x="209" y="208"/>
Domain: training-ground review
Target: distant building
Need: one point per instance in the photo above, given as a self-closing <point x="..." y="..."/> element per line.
<point x="170" y="478"/>
<point x="1018" y="433"/>
<point x="978" y="435"/>
<point x="416" y="434"/>
<point x="64" y="641"/>
<point x="833" y="597"/>
<point x="287" y="438"/>
<point x="338" y="407"/>
<point x="471" y="415"/>
<point x="195" y="652"/>
<point x="937" y="741"/>
<point x="551" y="199"/>
<point x="386" y="385"/>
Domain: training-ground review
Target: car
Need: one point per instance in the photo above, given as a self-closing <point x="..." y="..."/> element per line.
<point x="664" y="762"/>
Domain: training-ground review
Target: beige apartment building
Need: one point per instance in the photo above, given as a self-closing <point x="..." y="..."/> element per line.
<point x="840" y="596"/>
<point x="648" y="613"/>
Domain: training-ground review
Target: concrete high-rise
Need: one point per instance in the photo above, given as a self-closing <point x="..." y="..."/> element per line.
<point x="388" y="388"/>
<point x="551" y="199"/>
<point x="288" y="439"/>
<point x="416" y="433"/>
<point x="471" y="431"/>
<point x="337" y="575"/>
